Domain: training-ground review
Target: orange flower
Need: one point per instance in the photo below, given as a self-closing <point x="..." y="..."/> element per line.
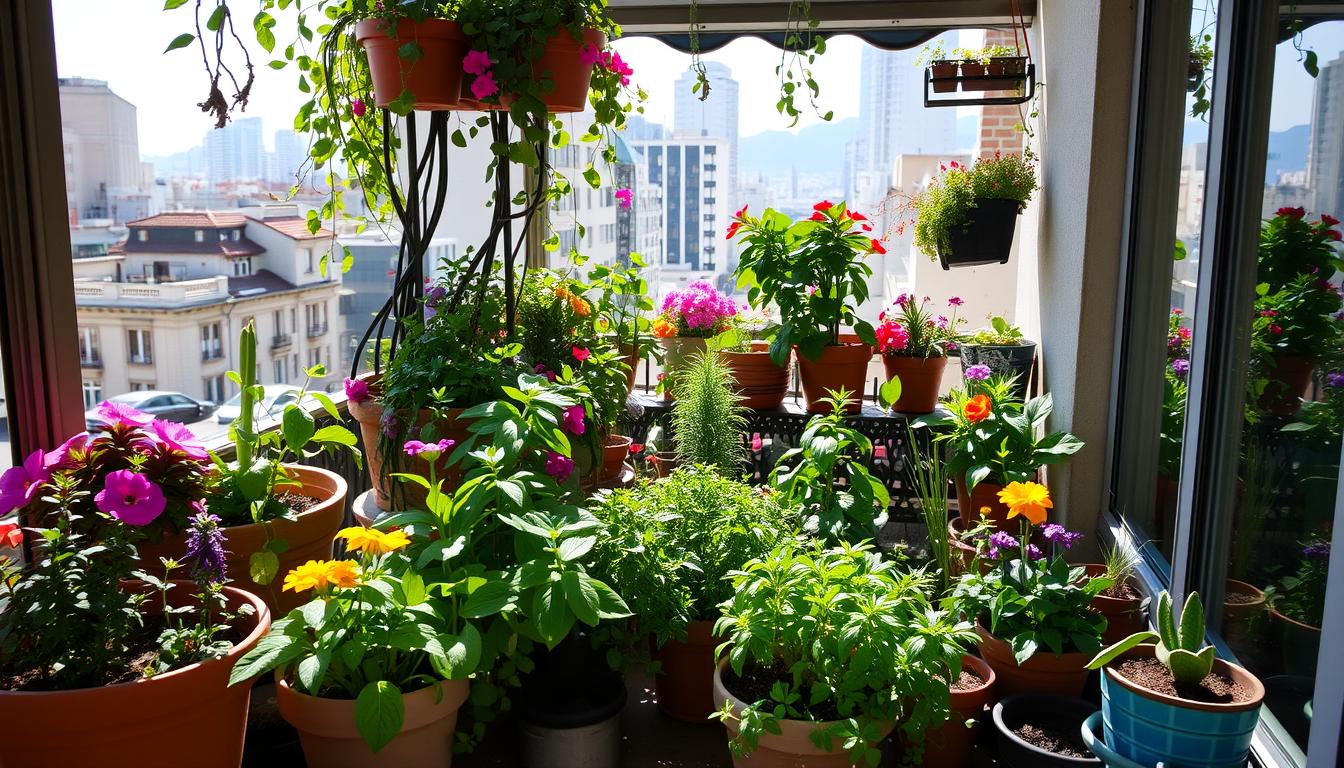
<point x="11" y="535"/>
<point x="977" y="408"/>
<point x="1030" y="500"/>
<point x="663" y="329"/>
<point x="579" y="306"/>
<point x="320" y="575"/>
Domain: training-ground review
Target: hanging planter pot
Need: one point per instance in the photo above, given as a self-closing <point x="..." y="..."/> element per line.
<point x="985" y="238"/>
<point x="1000" y="73"/>
<point x="563" y="64"/>
<point x="943" y="75"/>
<point x="433" y="74"/>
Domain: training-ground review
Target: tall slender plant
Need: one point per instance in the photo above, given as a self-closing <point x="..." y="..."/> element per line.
<point x="928" y="478"/>
<point x="707" y="422"/>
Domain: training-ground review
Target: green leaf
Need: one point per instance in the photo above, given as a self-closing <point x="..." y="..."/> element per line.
<point x="572" y="549"/>
<point x="379" y="713"/>
<point x="334" y="433"/>
<point x="298" y="428"/>
<point x="551" y="614"/>
<point x="582" y="596"/>
<point x="890" y="392"/>
<point x="609" y="604"/>
<point x="1106" y="656"/>
<point x="488" y="599"/>
<point x="216" y="19"/>
<point x="181" y="41"/>
<point x="275" y="650"/>
<point x="169" y="5"/>
<point x="1192" y="623"/>
<point x="463" y="652"/>
<point x="262" y="566"/>
<point x="312" y="669"/>
<point x="413" y="587"/>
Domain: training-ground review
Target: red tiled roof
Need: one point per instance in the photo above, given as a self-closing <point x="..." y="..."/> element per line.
<point x="191" y="219"/>
<point x="293" y="227"/>
<point x="230" y="248"/>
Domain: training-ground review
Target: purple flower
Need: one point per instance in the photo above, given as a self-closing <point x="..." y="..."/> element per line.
<point x="428" y="451"/>
<point x="955" y="301"/>
<point x="559" y="466"/>
<point x="1335" y="379"/>
<point x="941" y="322"/>
<point x="1001" y="540"/>
<point x="1180" y="367"/>
<point x="624" y="196"/>
<point x="978" y="372"/>
<point x="1056" y="534"/>
<point x="1034" y="553"/>
<point x="389" y="423"/>
<point x="539" y="368"/>
<point x="572" y="420"/>
<point x="1317" y="550"/>
<point x="122" y="415"/>
<point x="356" y="390"/>
<point x="699" y="306"/>
<point x="60" y="458"/>
<point x="205" y="549"/>
<point x="178" y="438"/>
<point x="130" y="497"/>
<point x="19" y="485"/>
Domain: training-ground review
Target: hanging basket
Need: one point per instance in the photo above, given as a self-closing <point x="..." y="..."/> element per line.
<point x="985" y="238"/>
<point x="434" y="78"/>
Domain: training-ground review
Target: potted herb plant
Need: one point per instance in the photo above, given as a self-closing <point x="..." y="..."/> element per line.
<point x="813" y="271"/>
<point x="109" y="659"/>
<point x="828" y="651"/>
<point x="914" y="346"/>
<point x="1292" y="329"/>
<point x="686" y="318"/>
<point x="1121" y="603"/>
<point x="992" y="441"/>
<point x="1176" y="702"/>
<point x="967" y="216"/>
<point x="670" y="546"/>
<point x="991" y="68"/>
<point x="758" y="380"/>
<point x="1033" y="610"/>
<point x="707" y="422"/>
<point x="1002" y="349"/>
<point x="1297" y="604"/>
<point x="942" y="68"/>
<point x="275" y="514"/>
<point x="825" y="479"/>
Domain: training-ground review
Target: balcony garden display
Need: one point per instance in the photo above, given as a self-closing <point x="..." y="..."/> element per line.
<point x="1176" y="702"/>
<point x="1121" y="603"/>
<point x="967" y="216"/>
<point x="943" y="70"/>
<point x="1296" y="606"/>
<point x="825" y="479"/>
<point x="814" y="272"/>
<point x="104" y="653"/>
<point x="1033" y="610"/>
<point x="991" y="439"/>
<point x="707" y="422"/>
<point x="441" y="594"/>
<point x="686" y="318"/>
<point x="828" y="651"/>
<point x="1035" y="730"/>
<point x="914" y="344"/>
<point x="274" y="514"/>
<point x="1002" y="349"/>
<point x="670" y="546"/>
<point x="758" y="380"/>
<point x="991" y="68"/>
<point x="1175" y="392"/>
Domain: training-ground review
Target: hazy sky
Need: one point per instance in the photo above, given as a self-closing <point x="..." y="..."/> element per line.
<point x="122" y="42"/>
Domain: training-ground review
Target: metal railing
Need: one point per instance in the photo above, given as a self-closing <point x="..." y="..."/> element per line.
<point x="317" y="329"/>
<point x="91" y="360"/>
<point x="281" y="340"/>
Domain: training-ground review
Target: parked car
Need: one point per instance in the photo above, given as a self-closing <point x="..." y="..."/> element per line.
<point x="171" y="406"/>
<point x="267" y="410"/>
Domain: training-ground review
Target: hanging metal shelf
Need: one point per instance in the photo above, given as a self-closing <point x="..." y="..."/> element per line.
<point x="1025" y="81"/>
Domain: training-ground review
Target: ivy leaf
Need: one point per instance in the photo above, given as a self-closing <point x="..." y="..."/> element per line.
<point x="181" y="41"/>
<point x="216" y="19"/>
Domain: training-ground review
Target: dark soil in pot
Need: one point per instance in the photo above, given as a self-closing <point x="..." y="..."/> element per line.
<point x="1036" y="730"/>
<point x="1053" y="734"/>
<point x="755" y="682"/>
<point x="1153" y="675"/>
<point x="572" y="686"/>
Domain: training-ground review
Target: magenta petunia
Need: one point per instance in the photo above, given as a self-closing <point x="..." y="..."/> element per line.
<point x="130" y="497"/>
<point x="61" y="457"/>
<point x="428" y="451"/>
<point x="178" y="438"/>
<point x="356" y="390"/>
<point x="358" y="108"/>
<point x="121" y="415"/>
<point x="572" y="420"/>
<point x="484" y="86"/>
<point x="581" y="353"/>
<point x="559" y="466"/>
<point x="955" y="301"/>
<point x="624" y="196"/>
<point x="19" y="485"/>
<point x="476" y="63"/>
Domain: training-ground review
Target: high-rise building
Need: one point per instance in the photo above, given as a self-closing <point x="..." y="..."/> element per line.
<point x="102" y="152"/>
<point x="893" y="120"/>
<point x="1325" y="162"/>
<point x="695" y="206"/>
<point x="291" y="152"/>
<point x="714" y="117"/>
<point x="235" y="152"/>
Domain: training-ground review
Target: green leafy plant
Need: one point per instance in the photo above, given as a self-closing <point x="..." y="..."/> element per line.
<point x="824" y="478"/>
<point x="246" y="489"/>
<point x="839" y="635"/>
<point x="623" y="302"/>
<point x="1292" y="245"/>
<point x="984" y="53"/>
<point x="1301" y="595"/>
<point x="707" y="422"/>
<point x="812" y="270"/>
<point x="670" y="545"/>
<point x="999" y="333"/>
<point x="928" y="479"/>
<point x="1120" y="565"/>
<point x="1180" y="646"/>
<point x="950" y="199"/>
<point x="1297" y="320"/>
<point x="908" y="328"/>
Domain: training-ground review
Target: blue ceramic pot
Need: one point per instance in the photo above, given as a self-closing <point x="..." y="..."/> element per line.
<point x="1150" y="728"/>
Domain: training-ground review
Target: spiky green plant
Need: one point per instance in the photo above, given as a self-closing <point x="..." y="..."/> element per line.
<point x="1120" y="565"/>
<point x="1180" y="646"/>
<point x="707" y="422"/>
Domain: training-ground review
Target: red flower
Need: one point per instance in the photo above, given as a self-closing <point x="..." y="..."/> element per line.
<point x="1328" y="220"/>
<point x="741" y="212"/>
<point x="732" y="229"/>
<point x="1333" y="234"/>
<point x="1293" y="213"/>
<point x="824" y="205"/>
<point x="876" y="247"/>
<point x="1276" y="330"/>
<point x="818" y="216"/>
<point x="11" y="534"/>
<point x="636" y="448"/>
<point x="855" y="215"/>
<point x="1268" y="313"/>
<point x="581" y="353"/>
<point x="977" y="408"/>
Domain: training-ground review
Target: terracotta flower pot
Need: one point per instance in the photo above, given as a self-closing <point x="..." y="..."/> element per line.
<point x="1124" y="616"/>
<point x="962" y="553"/>
<point x="1044" y="672"/>
<point x="662" y="464"/>
<point x="331" y="739"/>
<point x="941" y="69"/>
<point x="614" y="454"/>
<point x="792" y="747"/>
<point x="841" y="365"/>
<point x="921" y="380"/>
<point x="1239" y="613"/>
<point x="677" y="354"/>
<point x="434" y="78"/>
<point x="309" y="536"/>
<point x="986" y="494"/>
<point x="155" y="722"/>
<point x="757" y="379"/>
<point x="369" y="414"/>
<point x="562" y="64"/>
<point x="685" y="681"/>
<point x="1299" y="643"/>
<point x="1289" y="380"/>
<point x="950" y="745"/>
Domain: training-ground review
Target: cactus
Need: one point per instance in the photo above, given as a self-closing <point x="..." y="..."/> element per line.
<point x="245" y="436"/>
<point x="1180" y="647"/>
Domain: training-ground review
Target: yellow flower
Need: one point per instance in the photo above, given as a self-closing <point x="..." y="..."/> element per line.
<point x="580" y="306"/>
<point x="663" y="329"/>
<point x="372" y="541"/>
<point x="320" y="574"/>
<point x="1028" y="499"/>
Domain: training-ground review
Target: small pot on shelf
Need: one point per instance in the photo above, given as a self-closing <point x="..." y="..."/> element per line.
<point x="1014" y="360"/>
<point x="921" y="381"/>
<point x="758" y="380"/>
<point x="677" y="354"/>
<point x="1299" y="643"/>
<point x="951" y="744"/>
<point x="843" y="365"/>
<point x="1123" y="612"/>
<point x="1054" y="717"/>
<point x="1241" y="604"/>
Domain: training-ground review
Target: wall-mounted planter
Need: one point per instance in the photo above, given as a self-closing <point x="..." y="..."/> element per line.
<point x="985" y="238"/>
<point x="1001" y="73"/>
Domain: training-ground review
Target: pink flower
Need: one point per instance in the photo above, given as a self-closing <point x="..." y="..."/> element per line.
<point x="428" y="451"/>
<point x="590" y="55"/>
<point x="1186" y="333"/>
<point x="955" y="301"/>
<point x="130" y="497"/>
<point x="357" y="108"/>
<point x="812" y="290"/>
<point x="581" y="353"/>
<point x="476" y="63"/>
<point x="178" y="438"/>
<point x="756" y="444"/>
<point x="1275" y="329"/>
<point x="122" y="415"/>
<point x="539" y="368"/>
<point x="19" y="485"/>
<point x="624" y="196"/>
<point x="572" y="420"/>
<point x="356" y="390"/>
<point x="891" y="337"/>
<point x="60" y="458"/>
<point x="484" y="86"/>
<point x="559" y="466"/>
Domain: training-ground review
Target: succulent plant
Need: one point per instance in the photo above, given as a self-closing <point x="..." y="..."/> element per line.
<point x="1180" y="646"/>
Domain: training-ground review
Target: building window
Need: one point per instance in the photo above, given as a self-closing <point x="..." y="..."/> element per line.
<point x="279" y="369"/>
<point x="278" y="318"/>
<point x="314" y="356"/>
<point x="142" y="235"/>
<point x="307" y="255"/>
<point x="315" y="317"/>
<point x="237" y="235"/>
<point x="242" y="267"/>
<point x="140" y="348"/>
<point x="88" y="347"/>
<point x="93" y="392"/>
<point x="200" y="235"/>
<point x="294" y="364"/>
<point x="142" y="386"/>
<point x="211" y="346"/>
<point x="214" y="388"/>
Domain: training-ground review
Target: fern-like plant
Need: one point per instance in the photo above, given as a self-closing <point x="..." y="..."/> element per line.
<point x="1180" y="647"/>
<point x="707" y="422"/>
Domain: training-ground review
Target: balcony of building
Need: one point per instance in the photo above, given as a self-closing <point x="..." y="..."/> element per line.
<point x="317" y="330"/>
<point x="149" y="295"/>
<point x="281" y="341"/>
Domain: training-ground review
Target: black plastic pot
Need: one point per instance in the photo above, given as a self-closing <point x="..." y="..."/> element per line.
<point x="985" y="238"/>
<point x="570" y="708"/>
<point x="1014" y="711"/>
<point x="1014" y="360"/>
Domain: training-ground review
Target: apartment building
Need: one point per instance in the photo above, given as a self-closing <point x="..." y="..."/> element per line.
<point x="162" y="309"/>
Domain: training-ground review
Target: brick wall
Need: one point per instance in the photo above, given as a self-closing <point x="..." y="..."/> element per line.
<point x="997" y="131"/>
